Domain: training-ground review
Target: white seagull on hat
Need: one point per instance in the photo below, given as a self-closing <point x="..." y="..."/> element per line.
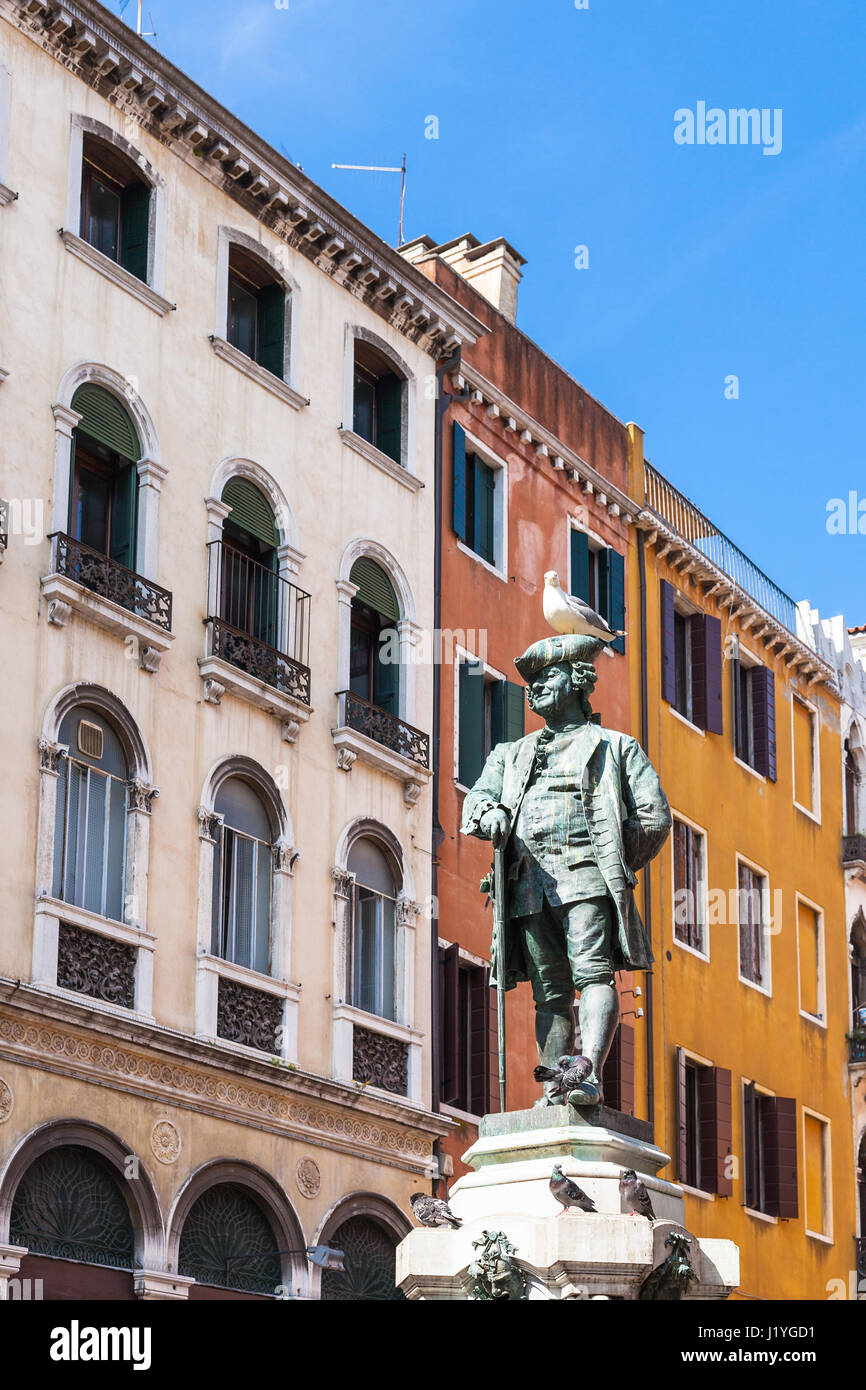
<point x="566" y="613"/>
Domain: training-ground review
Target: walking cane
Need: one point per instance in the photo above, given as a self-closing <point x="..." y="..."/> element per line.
<point x="499" y="945"/>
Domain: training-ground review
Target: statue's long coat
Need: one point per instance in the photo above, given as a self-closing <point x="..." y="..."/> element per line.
<point x="627" y="816"/>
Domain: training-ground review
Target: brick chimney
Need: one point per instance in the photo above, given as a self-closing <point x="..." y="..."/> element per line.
<point x="493" y="269"/>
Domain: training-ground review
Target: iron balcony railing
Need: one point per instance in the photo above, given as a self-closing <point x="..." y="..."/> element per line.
<point x="685" y="518"/>
<point x="860" y="1256"/>
<point x="853" y="849"/>
<point x="4" y="524"/>
<point x="385" y="728"/>
<point x="258" y="621"/>
<point x="106" y="577"/>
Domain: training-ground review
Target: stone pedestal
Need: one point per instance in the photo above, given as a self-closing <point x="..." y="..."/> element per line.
<point x="607" y="1254"/>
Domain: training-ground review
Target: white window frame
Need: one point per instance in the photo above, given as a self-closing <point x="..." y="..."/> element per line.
<point x="6" y="194"/>
<point x="407" y="470"/>
<point x="287" y="387"/>
<point x="766" y="933"/>
<point x="499" y="468"/>
<point x="825" y="1237"/>
<point x="492" y="676"/>
<point x="819" y="1019"/>
<point x="703" y="887"/>
<point x="50" y="911"/>
<point x="761" y="1091"/>
<point x="811" y="812"/>
<point x="151" y="291"/>
<point x="345" y="1014"/>
<point x="210" y="968"/>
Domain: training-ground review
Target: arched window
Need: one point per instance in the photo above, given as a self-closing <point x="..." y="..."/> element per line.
<point x="257" y="311"/>
<point x="69" y="1205"/>
<point x="369" y="1264"/>
<point x="242" y="877"/>
<point x="378" y="401"/>
<point x="259" y="621"/>
<point x="374" y="660"/>
<point x="115" y="206"/>
<point x="227" y="1242"/>
<point x="90" y="829"/>
<point x="104" y="493"/>
<point x="374" y="929"/>
<point x="851" y="782"/>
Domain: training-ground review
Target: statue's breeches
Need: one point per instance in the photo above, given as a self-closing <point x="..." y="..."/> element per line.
<point x="567" y="948"/>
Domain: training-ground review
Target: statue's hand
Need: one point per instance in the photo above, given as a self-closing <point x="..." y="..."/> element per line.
<point x="494" y="825"/>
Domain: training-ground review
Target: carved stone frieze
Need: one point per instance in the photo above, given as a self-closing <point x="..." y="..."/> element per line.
<point x="97" y="965"/>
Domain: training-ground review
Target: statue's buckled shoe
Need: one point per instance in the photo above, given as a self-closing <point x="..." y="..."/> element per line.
<point x="587" y="1093"/>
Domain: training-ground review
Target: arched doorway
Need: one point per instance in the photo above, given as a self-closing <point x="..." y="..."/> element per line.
<point x="70" y="1212"/>
<point x="369" y="1272"/>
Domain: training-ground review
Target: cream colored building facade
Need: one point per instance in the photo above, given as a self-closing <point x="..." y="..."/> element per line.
<point x="330" y="1118"/>
<point x="846" y="649"/>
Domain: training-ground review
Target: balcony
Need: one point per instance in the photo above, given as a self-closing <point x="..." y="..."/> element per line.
<point x="91" y="585"/>
<point x="857" y="1044"/>
<point x="854" y="852"/>
<point x="258" y="637"/>
<point x="384" y="741"/>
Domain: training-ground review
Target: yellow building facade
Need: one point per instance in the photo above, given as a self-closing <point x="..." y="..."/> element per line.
<point x="746" y="1012"/>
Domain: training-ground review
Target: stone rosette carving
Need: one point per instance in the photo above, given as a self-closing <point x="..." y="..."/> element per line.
<point x="381" y="1061"/>
<point x="165" y="1141"/>
<point x="7" y="1100"/>
<point x="308" y="1177"/>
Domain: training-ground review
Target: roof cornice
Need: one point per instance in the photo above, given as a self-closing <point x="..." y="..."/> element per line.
<point x="545" y="444"/>
<point x="757" y="624"/>
<point x="92" y="42"/>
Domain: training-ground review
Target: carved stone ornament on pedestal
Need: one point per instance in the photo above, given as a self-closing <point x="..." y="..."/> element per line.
<point x="494" y="1274"/>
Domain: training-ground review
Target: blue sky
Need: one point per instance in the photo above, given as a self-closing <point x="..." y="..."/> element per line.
<point x="556" y="129"/>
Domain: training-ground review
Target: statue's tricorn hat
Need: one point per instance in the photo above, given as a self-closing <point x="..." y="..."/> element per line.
<point x="569" y="647"/>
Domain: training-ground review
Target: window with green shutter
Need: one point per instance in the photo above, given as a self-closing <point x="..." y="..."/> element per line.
<point x="103" y="498"/>
<point x="471" y="740"/>
<point x="474" y="500"/>
<point x="377" y="403"/>
<point x="115" y="206"/>
<point x="257" y="311"/>
<point x="374" y="664"/>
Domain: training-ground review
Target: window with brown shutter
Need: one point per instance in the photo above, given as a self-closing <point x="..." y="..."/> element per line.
<point x="770" y="1153"/>
<point x="689" y="886"/>
<point x="716" y="1131"/>
<point x="706" y="654"/>
<point x="468" y="1063"/>
<point x="618" y="1072"/>
<point x="703" y="1102"/>
<point x="691" y="661"/>
<point x="752" y="898"/>
<point x="666" y="612"/>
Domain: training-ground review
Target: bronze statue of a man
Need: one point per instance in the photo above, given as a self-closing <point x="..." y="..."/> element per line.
<point x="579" y="809"/>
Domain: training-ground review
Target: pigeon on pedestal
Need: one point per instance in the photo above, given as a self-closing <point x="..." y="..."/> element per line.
<point x="432" y="1211"/>
<point x="567" y="613"/>
<point x="568" y="1073"/>
<point x="567" y="1193"/>
<point x="635" y="1195"/>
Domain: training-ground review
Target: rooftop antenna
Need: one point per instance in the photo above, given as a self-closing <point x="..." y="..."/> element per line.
<point x="147" y="33"/>
<point x="384" y="169"/>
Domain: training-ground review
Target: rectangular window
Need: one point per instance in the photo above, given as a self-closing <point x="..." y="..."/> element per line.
<point x="374" y="952"/>
<point x="477" y="501"/>
<point x="816" y="1152"/>
<point x="753" y="896"/>
<point x="704" y="1135"/>
<point x="691" y="661"/>
<point x="490" y="711"/>
<point x="805" y="755"/>
<point x="115" y="207"/>
<point x="256" y="311"/>
<point x="770" y="1153"/>
<point x="618" y="1072"/>
<point x="468" y="1062"/>
<point x="810" y="952"/>
<point x="689" y="849"/>
<point x="597" y="575"/>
